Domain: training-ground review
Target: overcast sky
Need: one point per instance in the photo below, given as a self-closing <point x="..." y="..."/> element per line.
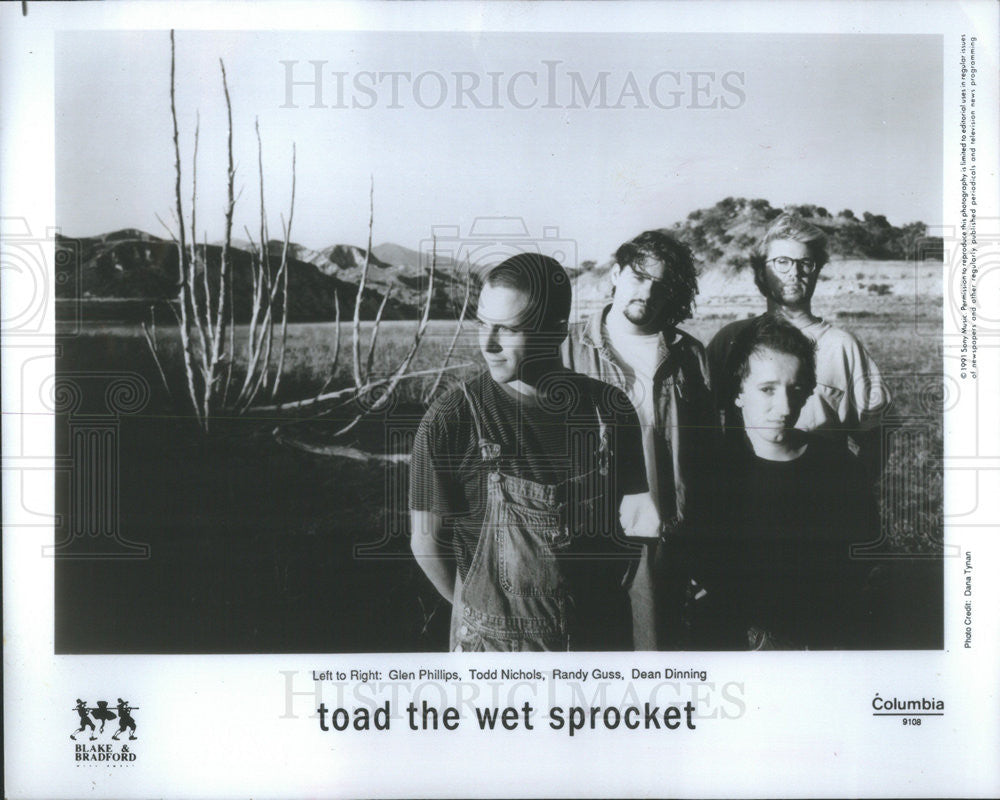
<point x="839" y="121"/>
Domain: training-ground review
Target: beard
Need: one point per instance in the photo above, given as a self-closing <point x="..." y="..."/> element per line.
<point x="639" y="312"/>
<point x="792" y="292"/>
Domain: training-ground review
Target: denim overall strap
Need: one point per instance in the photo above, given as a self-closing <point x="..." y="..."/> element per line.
<point x="514" y="595"/>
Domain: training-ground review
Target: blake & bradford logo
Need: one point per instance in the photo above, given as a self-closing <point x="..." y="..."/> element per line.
<point x="110" y="749"/>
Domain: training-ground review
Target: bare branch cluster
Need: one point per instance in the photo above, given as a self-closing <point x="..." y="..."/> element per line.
<point x="204" y="309"/>
<point x="368" y="394"/>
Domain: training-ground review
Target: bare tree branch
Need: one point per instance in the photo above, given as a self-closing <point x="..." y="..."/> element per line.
<point x="201" y="356"/>
<point x="260" y="311"/>
<point x="199" y="315"/>
<point x="204" y="314"/>
<point x="370" y="356"/>
<point x="150" y="334"/>
<point x="225" y="280"/>
<point x="264" y="340"/>
<point x="339" y="451"/>
<point x="173" y="236"/>
<point x="182" y="244"/>
<point x="359" y="379"/>
<point x="173" y="310"/>
<point x="348" y="391"/>
<point x="454" y="339"/>
<point x="284" y="284"/>
<point x="336" y="345"/>
<point x="250" y="243"/>
<point x="401" y="370"/>
<point x="265" y="249"/>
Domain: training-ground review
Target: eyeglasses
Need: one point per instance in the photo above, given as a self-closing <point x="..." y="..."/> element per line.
<point x="786" y="264"/>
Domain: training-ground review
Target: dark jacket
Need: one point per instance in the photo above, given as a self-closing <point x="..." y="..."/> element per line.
<point x="684" y="415"/>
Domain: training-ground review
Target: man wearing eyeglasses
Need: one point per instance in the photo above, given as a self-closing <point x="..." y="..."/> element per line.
<point x="850" y="396"/>
<point x="635" y="345"/>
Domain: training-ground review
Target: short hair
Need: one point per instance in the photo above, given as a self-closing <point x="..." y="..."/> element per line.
<point x="680" y="278"/>
<point x="768" y="332"/>
<point x="545" y="282"/>
<point x="793" y="228"/>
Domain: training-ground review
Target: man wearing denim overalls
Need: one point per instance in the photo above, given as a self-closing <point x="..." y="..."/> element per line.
<point x="527" y="482"/>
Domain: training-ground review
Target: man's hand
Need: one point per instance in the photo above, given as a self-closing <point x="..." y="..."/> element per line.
<point x="430" y="553"/>
<point x="639" y="517"/>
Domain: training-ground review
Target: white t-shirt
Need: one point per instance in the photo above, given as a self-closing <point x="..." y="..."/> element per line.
<point x="638" y="356"/>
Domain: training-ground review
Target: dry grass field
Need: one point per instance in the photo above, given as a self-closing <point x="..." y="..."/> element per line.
<point x="256" y="546"/>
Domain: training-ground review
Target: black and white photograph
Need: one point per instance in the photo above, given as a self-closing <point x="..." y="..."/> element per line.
<point x="357" y="352"/>
<point x="298" y="359"/>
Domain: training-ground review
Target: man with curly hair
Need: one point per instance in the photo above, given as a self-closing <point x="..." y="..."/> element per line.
<point x="778" y="571"/>
<point x="635" y="345"/>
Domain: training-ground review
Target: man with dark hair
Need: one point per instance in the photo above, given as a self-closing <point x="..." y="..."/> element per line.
<point x="523" y="482"/>
<point x="850" y="397"/>
<point x="778" y="570"/>
<point x="768" y="334"/>
<point x="634" y="344"/>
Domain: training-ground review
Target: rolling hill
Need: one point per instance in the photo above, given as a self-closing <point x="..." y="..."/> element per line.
<point x="131" y="269"/>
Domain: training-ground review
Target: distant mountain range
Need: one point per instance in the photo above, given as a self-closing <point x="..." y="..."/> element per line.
<point x="122" y="273"/>
<point x="132" y="269"/>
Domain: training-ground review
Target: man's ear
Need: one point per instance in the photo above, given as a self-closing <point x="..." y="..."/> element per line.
<point x="738" y="402"/>
<point x="616" y="270"/>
